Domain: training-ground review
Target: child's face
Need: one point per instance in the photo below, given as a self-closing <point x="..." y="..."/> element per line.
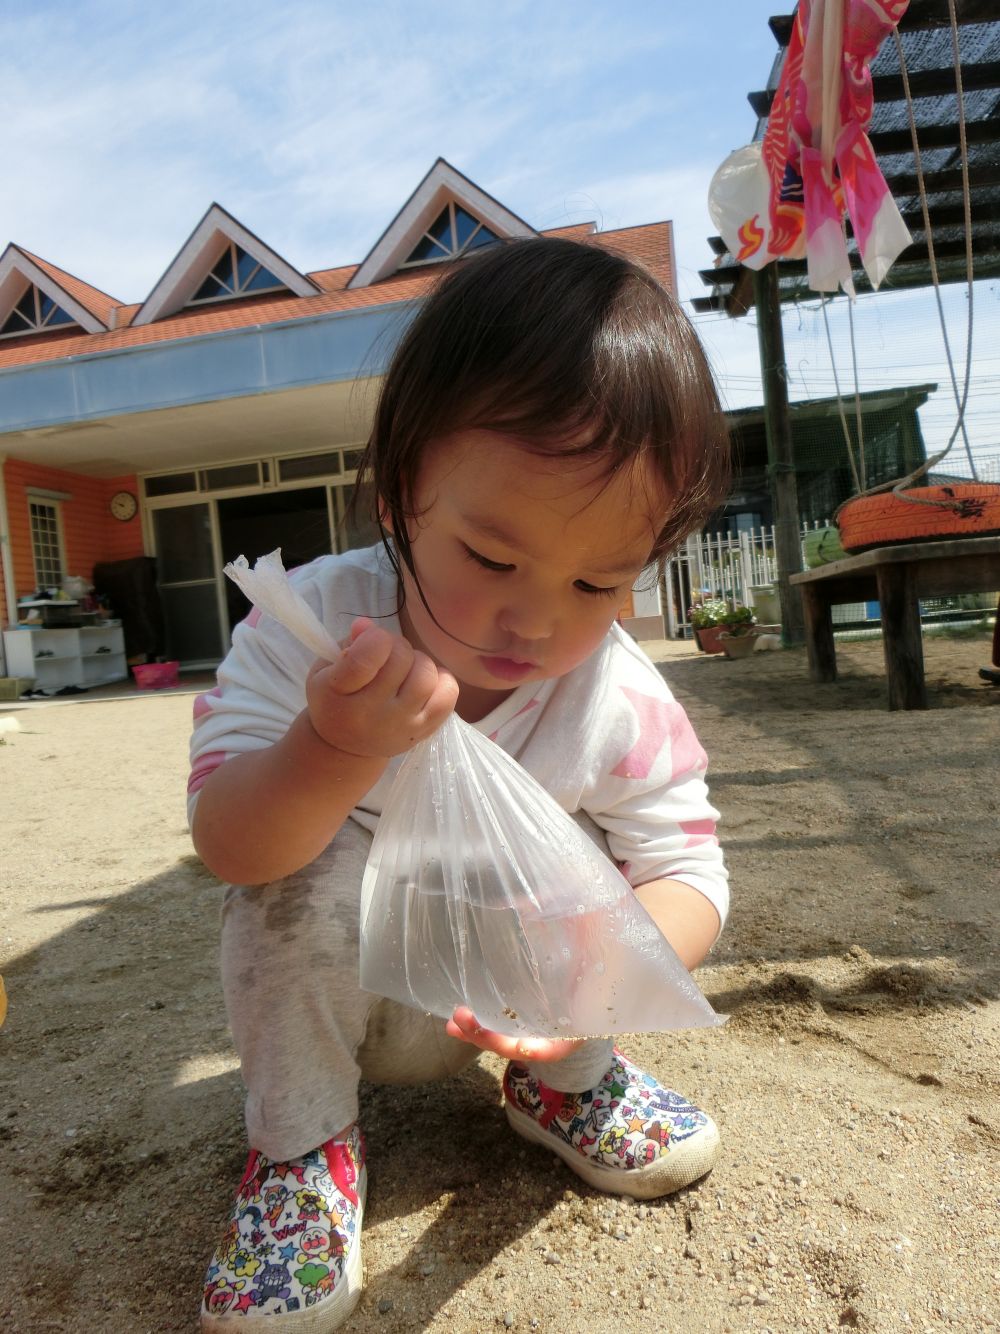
<point x="527" y="558"/>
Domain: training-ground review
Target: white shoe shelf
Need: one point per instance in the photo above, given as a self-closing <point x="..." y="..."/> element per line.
<point x="91" y="655"/>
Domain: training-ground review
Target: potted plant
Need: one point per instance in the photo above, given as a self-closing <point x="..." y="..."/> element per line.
<point x="704" y="616"/>
<point x="766" y="604"/>
<point x="738" y="630"/>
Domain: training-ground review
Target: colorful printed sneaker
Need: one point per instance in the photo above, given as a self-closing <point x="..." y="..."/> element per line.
<point x="627" y="1136"/>
<point x="290" y="1257"/>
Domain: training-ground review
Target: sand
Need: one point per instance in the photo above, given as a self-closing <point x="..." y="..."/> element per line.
<point x="856" y="1083"/>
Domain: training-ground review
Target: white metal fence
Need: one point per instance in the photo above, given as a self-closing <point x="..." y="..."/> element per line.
<point x="733" y="566"/>
<point x="717" y="565"/>
<point x="728" y="566"/>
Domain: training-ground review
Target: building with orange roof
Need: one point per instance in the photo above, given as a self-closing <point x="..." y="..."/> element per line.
<point x="224" y="414"/>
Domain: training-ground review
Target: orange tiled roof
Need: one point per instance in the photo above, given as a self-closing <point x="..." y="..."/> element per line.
<point x="93" y="299"/>
<point x="650" y="246"/>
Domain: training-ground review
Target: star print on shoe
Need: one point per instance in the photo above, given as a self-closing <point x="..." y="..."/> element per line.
<point x="629" y="1135"/>
<point x="290" y="1256"/>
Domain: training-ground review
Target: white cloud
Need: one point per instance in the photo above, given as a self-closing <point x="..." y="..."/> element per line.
<point x="312" y="120"/>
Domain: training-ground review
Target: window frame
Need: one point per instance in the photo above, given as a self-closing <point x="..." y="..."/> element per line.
<point x="242" y="291"/>
<point x="44" y="543"/>
<point x="39" y="326"/>
<point x="454" y="252"/>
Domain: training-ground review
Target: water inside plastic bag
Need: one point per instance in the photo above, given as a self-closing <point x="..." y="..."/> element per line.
<point x="568" y="976"/>
<point x="481" y="891"/>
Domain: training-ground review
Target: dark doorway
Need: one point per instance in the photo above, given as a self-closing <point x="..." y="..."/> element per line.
<point x="296" y="521"/>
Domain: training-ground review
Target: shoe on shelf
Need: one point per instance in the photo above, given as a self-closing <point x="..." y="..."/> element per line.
<point x="629" y="1135"/>
<point x="290" y="1257"/>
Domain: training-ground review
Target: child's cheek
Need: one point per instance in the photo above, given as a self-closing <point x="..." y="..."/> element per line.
<point x="456" y="609"/>
<point x="463" y="609"/>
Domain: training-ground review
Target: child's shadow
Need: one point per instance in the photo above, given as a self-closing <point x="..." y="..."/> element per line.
<point x="446" y="1149"/>
<point x="122" y="1139"/>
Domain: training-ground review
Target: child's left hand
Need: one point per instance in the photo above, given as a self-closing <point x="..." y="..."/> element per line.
<point x="464" y="1025"/>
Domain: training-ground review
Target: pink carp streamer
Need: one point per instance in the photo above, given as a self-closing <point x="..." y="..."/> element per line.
<point x="787" y="196"/>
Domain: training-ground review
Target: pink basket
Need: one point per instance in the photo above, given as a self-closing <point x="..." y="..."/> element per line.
<point x="156" y="675"/>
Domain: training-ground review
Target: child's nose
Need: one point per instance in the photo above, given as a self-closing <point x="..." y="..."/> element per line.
<point x="527" y="621"/>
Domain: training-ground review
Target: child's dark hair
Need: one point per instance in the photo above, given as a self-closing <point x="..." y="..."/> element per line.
<point x="572" y="349"/>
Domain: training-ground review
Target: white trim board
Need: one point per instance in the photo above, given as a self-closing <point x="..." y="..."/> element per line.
<point x="441" y="184"/>
<point x="193" y="263"/>
<point x="18" y="272"/>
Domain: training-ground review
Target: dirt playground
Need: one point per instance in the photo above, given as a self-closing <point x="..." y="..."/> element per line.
<point x="856" y="1083"/>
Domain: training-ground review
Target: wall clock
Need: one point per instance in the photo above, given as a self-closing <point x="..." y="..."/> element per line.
<point x="123" y="505"/>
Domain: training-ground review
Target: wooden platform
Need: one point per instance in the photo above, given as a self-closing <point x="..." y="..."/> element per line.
<point x="897" y="577"/>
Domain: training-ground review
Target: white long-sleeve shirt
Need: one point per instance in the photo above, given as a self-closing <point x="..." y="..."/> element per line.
<point x="608" y="738"/>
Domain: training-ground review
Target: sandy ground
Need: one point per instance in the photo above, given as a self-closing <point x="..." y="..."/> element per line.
<point x="856" y="1082"/>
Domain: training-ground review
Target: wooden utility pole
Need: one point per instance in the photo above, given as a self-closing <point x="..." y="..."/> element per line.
<point x="781" y="462"/>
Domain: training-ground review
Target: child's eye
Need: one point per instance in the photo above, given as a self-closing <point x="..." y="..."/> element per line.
<point x="484" y="561"/>
<point x="594" y="591"/>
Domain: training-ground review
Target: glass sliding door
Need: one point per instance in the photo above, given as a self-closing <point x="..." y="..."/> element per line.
<point x="189" y="589"/>
<point x="296" y="521"/>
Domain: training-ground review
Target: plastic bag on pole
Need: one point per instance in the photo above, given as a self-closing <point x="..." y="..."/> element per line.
<point x="481" y="891"/>
<point x="739" y="203"/>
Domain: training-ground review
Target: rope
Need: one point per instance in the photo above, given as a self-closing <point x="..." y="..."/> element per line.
<point x="857" y="395"/>
<point x="840" y="402"/>
<point x="898" y="487"/>
<point x="960" y="402"/>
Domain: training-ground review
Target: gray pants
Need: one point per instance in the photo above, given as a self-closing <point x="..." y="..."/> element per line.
<point x="306" y="1033"/>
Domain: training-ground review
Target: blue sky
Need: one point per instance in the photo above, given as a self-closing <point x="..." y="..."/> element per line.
<point x="312" y="120"/>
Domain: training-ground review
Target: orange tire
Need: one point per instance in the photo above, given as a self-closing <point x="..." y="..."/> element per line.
<point x="885" y="519"/>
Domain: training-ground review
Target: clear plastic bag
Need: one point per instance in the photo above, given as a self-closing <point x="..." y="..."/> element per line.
<point x="481" y="891"/>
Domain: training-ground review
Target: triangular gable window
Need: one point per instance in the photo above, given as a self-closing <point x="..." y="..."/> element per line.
<point x="34" y="313"/>
<point x="236" y="274"/>
<point x="453" y="233"/>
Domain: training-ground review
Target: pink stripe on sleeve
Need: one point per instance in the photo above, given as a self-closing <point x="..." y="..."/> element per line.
<point x="203" y="703"/>
<point x="698" y="826"/>
<point x="698" y="832"/>
<point x="205" y="765"/>
<point x="686" y="753"/>
<point x="658" y="720"/>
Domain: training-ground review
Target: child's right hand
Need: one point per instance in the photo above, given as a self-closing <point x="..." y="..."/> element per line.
<point x="380" y="697"/>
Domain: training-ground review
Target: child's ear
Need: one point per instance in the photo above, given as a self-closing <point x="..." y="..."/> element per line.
<point x="384" y="517"/>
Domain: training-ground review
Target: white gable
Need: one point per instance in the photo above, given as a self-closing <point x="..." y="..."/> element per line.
<point x="200" y="252"/>
<point x="18" y="272"/>
<point x="442" y="185"/>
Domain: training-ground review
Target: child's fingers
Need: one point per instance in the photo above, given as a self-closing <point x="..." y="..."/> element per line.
<point x="464" y="1025"/>
<point x="445" y="697"/>
<point x="363" y="659"/>
<point x="465" y="1022"/>
<point x="428" y="689"/>
<point x="358" y="627"/>
<point x="419" y="684"/>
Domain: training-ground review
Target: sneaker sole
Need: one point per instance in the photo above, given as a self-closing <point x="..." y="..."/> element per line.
<point x="326" y="1315"/>
<point x="689" y="1161"/>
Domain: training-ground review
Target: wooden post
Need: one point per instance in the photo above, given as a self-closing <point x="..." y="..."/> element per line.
<point x="781" y="462"/>
<point x="820" y="645"/>
<point x="901" y="643"/>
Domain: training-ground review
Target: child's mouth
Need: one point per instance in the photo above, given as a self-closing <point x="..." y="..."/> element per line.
<point x="508" y="669"/>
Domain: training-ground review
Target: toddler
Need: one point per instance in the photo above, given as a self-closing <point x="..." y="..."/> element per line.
<point x="547" y="429"/>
